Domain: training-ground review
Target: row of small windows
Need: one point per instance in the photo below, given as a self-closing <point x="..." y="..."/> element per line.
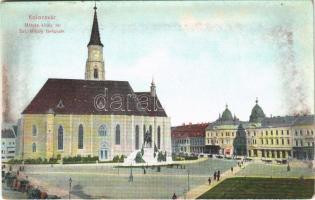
<point x="297" y="143"/>
<point x="277" y="132"/>
<point x="273" y="141"/>
<point x="308" y="132"/>
<point x="3" y="143"/>
<point x="271" y="132"/>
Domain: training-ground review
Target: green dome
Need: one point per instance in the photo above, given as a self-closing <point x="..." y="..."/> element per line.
<point x="257" y="113"/>
<point x="227" y="115"/>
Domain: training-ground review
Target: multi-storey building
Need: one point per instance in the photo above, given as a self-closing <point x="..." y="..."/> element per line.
<point x="266" y="138"/>
<point x="7" y="144"/>
<point x="189" y="138"/>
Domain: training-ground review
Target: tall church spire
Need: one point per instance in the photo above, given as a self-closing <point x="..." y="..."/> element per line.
<point x="95" y="69"/>
<point x="95" y="34"/>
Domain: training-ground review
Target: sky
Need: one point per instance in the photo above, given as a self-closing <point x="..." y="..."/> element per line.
<point x="202" y="54"/>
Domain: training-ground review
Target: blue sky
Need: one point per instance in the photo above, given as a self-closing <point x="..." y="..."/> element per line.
<point x="202" y="54"/>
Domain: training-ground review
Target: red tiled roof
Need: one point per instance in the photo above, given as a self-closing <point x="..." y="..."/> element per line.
<point x="191" y="130"/>
<point x="71" y="96"/>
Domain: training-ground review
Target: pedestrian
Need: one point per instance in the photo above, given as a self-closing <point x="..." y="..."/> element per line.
<point x="288" y="168"/>
<point x="18" y="172"/>
<point x="215" y="175"/>
<point x="232" y="169"/>
<point x="218" y="176"/>
<point x="209" y="180"/>
<point x="174" y="196"/>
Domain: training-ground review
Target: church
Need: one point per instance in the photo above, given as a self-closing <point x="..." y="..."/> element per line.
<point x="94" y="116"/>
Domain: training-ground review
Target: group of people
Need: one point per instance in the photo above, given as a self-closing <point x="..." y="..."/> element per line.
<point x="216" y="176"/>
<point x="240" y="164"/>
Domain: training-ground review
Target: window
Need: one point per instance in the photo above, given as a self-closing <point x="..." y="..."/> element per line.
<point x="288" y="141"/>
<point x="102" y="130"/>
<point x="137" y="137"/>
<point x="80" y="137"/>
<point x="271" y="141"/>
<point x="271" y="132"/>
<point x="34" y="130"/>
<point x="95" y="73"/>
<point x="296" y="143"/>
<point x="254" y="133"/>
<point x="262" y="141"/>
<point x="60" y="138"/>
<point x="288" y="132"/>
<point x="282" y="141"/>
<point x="308" y="132"/>
<point x="301" y="143"/>
<point x="276" y="132"/>
<point x="117" y="135"/>
<point x="266" y="132"/>
<point x="301" y="132"/>
<point x="34" y="147"/>
<point x="281" y="132"/>
<point x="296" y="132"/>
<point x="144" y="130"/>
<point x="159" y="137"/>
<point x="277" y="141"/>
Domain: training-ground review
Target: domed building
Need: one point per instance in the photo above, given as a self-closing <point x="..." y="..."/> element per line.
<point x="227" y="115"/>
<point x="257" y="114"/>
<point x="227" y="135"/>
<point x="270" y="139"/>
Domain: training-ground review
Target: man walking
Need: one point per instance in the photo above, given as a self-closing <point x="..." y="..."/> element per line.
<point x="209" y="180"/>
<point x="218" y="176"/>
<point x="215" y="175"/>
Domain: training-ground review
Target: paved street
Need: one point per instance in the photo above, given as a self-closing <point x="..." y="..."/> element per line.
<point x="107" y="182"/>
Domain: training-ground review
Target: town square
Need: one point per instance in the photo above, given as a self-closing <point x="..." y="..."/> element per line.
<point x="158" y="100"/>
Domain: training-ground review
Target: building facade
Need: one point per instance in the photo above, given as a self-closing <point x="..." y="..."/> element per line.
<point x="189" y="139"/>
<point x="8" y="144"/>
<point x="266" y="138"/>
<point x="92" y="117"/>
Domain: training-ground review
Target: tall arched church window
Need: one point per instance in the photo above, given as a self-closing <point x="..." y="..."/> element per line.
<point x="102" y="130"/>
<point x="159" y="137"/>
<point x="34" y="130"/>
<point x="117" y="135"/>
<point x="137" y="137"/>
<point x="60" y="138"/>
<point x="80" y="137"/>
<point x="144" y="130"/>
<point x="95" y="73"/>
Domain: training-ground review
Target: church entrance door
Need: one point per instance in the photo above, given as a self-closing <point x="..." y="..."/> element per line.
<point x="103" y="154"/>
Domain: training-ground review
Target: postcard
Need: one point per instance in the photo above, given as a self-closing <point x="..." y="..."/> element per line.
<point x="157" y="100"/>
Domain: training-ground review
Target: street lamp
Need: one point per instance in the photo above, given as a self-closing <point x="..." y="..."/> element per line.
<point x="188" y="179"/>
<point x="70" y="181"/>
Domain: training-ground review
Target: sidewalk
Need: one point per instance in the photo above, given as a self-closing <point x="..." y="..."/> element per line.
<point x="196" y="192"/>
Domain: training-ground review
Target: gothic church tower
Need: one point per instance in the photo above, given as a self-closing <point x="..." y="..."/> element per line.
<point x="94" y="69"/>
